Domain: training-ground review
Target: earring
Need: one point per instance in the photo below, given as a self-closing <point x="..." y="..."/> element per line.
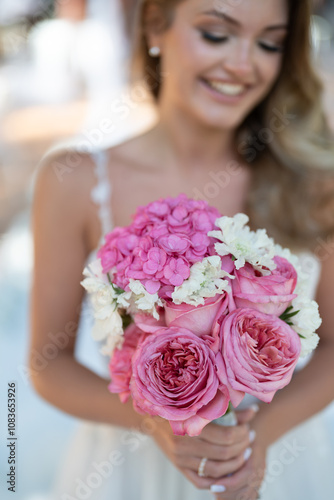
<point x="154" y="51"/>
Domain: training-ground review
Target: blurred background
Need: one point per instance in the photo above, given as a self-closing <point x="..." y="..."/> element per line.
<point x="63" y="72"/>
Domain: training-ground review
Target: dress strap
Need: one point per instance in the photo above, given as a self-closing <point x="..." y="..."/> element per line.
<point x="101" y="193"/>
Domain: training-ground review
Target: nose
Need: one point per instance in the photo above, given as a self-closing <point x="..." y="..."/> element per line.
<point x="239" y="59"/>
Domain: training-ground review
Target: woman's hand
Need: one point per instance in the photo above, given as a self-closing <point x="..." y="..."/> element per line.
<point x="224" y="448"/>
<point x="245" y="483"/>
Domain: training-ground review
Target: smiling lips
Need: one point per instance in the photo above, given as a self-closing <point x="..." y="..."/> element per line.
<point x="228" y="89"/>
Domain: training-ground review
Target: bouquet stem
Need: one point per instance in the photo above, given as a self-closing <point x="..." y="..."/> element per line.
<point x="229" y="419"/>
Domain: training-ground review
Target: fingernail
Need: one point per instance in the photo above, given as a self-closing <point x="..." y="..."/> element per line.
<point x="252" y="435"/>
<point x="255" y="408"/>
<point x="217" y="488"/>
<point x="247" y="454"/>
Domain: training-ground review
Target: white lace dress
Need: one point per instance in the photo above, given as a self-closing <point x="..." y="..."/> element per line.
<point x="111" y="463"/>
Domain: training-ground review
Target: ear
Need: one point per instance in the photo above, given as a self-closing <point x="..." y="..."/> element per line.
<point x="154" y="23"/>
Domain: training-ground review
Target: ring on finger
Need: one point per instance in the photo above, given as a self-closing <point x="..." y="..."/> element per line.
<point x="201" y="467"/>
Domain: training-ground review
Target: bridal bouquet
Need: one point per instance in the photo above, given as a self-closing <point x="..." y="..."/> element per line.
<point x="196" y="310"/>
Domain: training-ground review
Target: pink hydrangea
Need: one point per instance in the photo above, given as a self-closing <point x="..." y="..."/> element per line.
<point x="158" y="248"/>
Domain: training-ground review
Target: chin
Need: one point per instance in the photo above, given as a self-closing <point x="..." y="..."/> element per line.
<point x="226" y="120"/>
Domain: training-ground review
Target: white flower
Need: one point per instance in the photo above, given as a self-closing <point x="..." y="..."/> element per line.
<point x="102" y="294"/>
<point x="111" y="325"/>
<point x="309" y="344"/>
<point x="113" y="342"/>
<point x="303" y="278"/>
<point x="306" y="322"/>
<point x="95" y="278"/>
<point x="143" y="300"/>
<point x="109" y="329"/>
<point x="245" y="245"/>
<point x="105" y="301"/>
<point x="206" y="280"/>
<point x="123" y="300"/>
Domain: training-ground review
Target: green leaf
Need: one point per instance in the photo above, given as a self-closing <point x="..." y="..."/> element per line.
<point x="291" y="315"/>
<point x="127" y="320"/>
<point x="117" y="290"/>
<point x="288" y="315"/>
<point x="229" y="408"/>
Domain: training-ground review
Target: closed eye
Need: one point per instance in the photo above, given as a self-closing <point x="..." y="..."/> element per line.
<point x="212" y="38"/>
<point x="270" y="48"/>
<point x="209" y="37"/>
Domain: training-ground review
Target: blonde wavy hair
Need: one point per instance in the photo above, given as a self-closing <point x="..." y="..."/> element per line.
<point x="286" y="137"/>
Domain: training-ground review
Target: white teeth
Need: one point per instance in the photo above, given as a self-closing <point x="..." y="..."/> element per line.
<point x="230" y="89"/>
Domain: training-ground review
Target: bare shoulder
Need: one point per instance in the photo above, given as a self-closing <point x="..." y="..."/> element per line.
<point x="66" y="177"/>
<point x="68" y="170"/>
<point x="63" y="182"/>
<point x="65" y="171"/>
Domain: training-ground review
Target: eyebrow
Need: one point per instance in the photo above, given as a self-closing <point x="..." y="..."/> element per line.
<point x="231" y="20"/>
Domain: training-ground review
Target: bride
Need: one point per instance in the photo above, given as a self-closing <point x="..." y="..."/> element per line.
<point x="240" y="124"/>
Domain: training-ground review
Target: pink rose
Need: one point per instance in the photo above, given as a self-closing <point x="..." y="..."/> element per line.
<point x="199" y="320"/>
<point x="147" y="323"/>
<point x="259" y="353"/>
<point x="175" y="377"/>
<point x="269" y="294"/>
<point x="120" y="366"/>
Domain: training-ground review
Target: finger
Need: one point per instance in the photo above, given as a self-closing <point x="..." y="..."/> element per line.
<point x="216" y="469"/>
<point x="247" y="494"/>
<point x="200" y="448"/>
<point x="201" y="483"/>
<point x="223" y="453"/>
<point x="246" y="415"/>
<point x="221" y="435"/>
<point x="242" y="494"/>
<point x="247" y="476"/>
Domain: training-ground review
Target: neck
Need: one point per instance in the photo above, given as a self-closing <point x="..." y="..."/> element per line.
<point x="189" y="143"/>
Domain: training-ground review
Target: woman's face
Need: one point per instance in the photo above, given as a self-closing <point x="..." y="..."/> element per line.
<point x="221" y="57"/>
